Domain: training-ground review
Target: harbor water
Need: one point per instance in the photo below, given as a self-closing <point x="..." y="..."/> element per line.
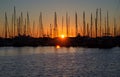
<point x="59" y="62"/>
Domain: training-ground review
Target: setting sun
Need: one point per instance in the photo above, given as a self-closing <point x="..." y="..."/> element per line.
<point x="62" y="36"/>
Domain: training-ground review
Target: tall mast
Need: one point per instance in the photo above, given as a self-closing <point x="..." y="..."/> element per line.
<point x="105" y="27"/>
<point x="62" y="24"/>
<point x="18" y="26"/>
<point x="28" y="24"/>
<point x="96" y="22"/>
<point x="14" y="20"/>
<point x="76" y="24"/>
<point x="114" y="27"/>
<point x="50" y="30"/>
<point x="100" y="22"/>
<point x="108" y="23"/>
<point x="25" y="28"/>
<point x="12" y="26"/>
<point x="41" y="25"/>
<point x="91" y="24"/>
<point x="6" y="25"/>
<point x="33" y="32"/>
<point x="67" y="24"/>
<point x="84" y="24"/>
<point x="21" y="23"/>
<point x="87" y="29"/>
<point x="55" y="25"/>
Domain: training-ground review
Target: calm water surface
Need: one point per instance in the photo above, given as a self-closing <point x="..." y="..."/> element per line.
<point x="62" y="62"/>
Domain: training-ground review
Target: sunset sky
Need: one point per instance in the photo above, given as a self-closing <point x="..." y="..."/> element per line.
<point x="48" y="7"/>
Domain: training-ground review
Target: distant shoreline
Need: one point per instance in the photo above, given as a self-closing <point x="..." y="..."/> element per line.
<point x="87" y="42"/>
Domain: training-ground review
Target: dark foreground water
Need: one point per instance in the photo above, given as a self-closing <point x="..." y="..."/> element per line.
<point x="62" y="62"/>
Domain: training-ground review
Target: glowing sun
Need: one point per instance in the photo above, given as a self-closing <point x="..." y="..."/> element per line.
<point x="62" y="36"/>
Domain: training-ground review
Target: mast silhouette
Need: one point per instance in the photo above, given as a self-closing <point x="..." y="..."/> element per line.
<point x="14" y="20"/>
<point x="108" y="30"/>
<point x="87" y="29"/>
<point x="50" y="30"/>
<point x="55" y="25"/>
<point x="76" y="22"/>
<point x="100" y="23"/>
<point x="18" y="26"/>
<point x="6" y="26"/>
<point x="25" y="28"/>
<point x="33" y="30"/>
<point x="91" y="25"/>
<point x="21" y="24"/>
<point x="12" y="26"/>
<point x="84" y="24"/>
<point x="69" y="26"/>
<point x="105" y="27"/>
<point x="67" y="21"/>
<point x="28" y="25"/>
<point x="115" y="27"/>
<point x="96" y="22"/>
<point x="41" y="25"/>
<point x="62" y="24"/>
